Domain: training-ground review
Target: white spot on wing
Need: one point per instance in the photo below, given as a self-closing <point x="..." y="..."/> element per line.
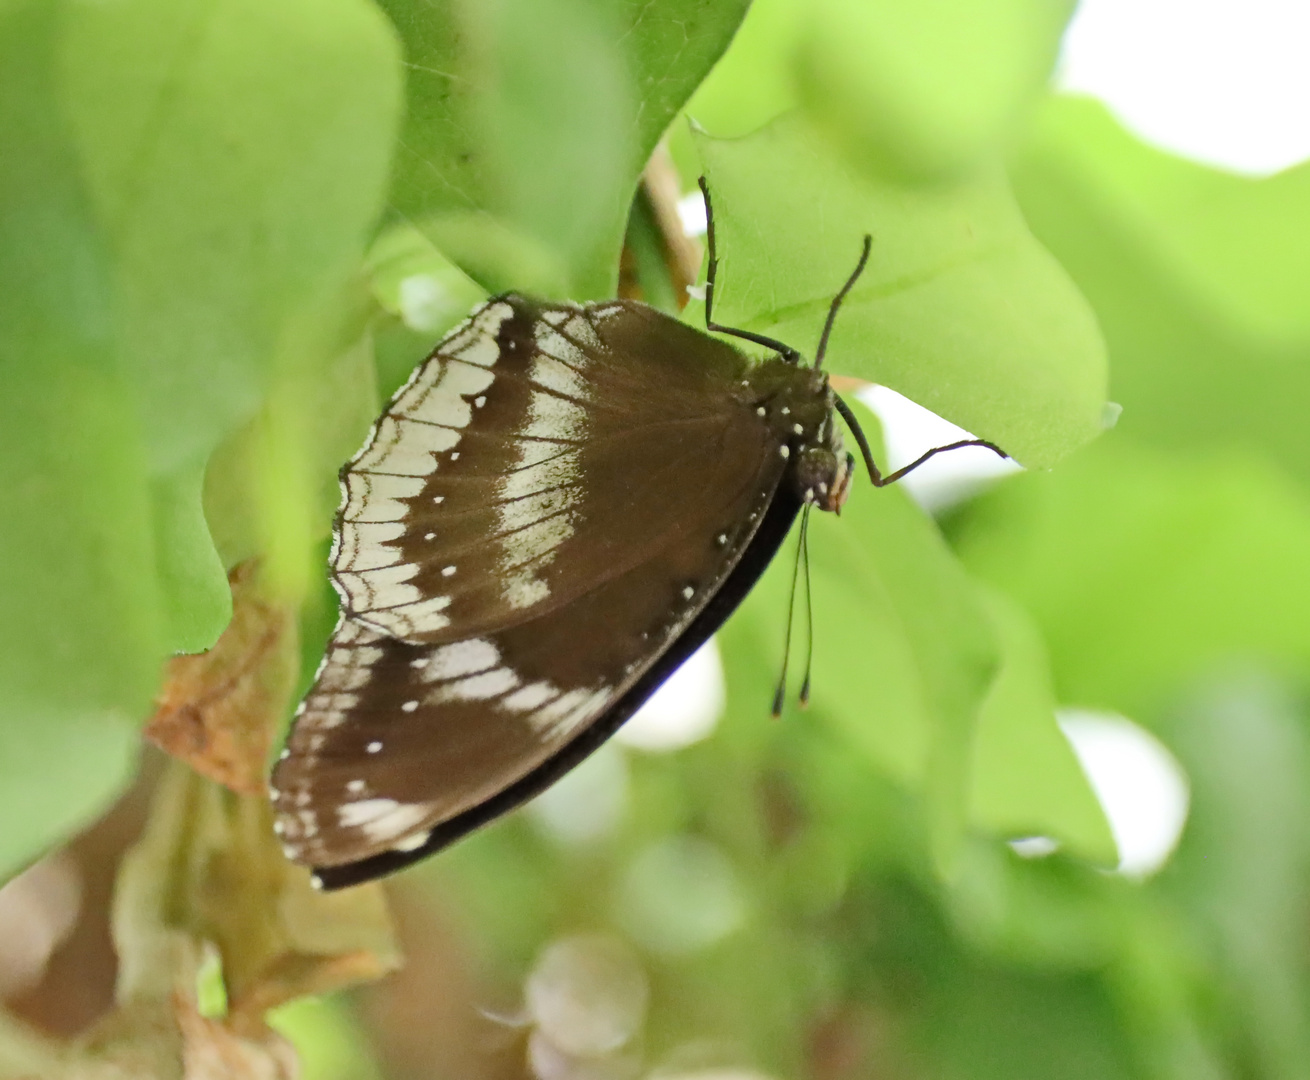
<point x="341" y="677"/>
<point x="423" y="421"/>
<point x="347" y="666"/>
<point x="378" y="587"/>
<point x="525" y="592"/>
<point x="414" y="617"/>
<point x="404" y="447"/>
<point x="581" y="331"/>
<point x="375" y="497"/>
<point x="554" y="470"/>
<point x="533" y="541"/>
<point x="381" y="820"/>
<point x="529" y="697"/>
<point x="530" y="536"/>
<point x="480" y="351"/>
<point x="461" y="658"/>
<point x="558" y="376"/>
<point x="606" y="312"/>
<point x="488" y="684"/>
<point x="492" y="316"/>
<point x="441" y="399"/>
<point x="412" y="843"/>
<point x="551" y="417"/>
<point x="567" y="711"/>
<point x="365" y="546"/>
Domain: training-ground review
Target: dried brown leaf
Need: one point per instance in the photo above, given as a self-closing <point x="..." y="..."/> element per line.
<point x="219" y="709"/>
<point x="170" y="1040"/>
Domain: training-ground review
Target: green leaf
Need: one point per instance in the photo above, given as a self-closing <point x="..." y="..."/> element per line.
<point x="752" y="84"/>
<point x="1199" y="279"/>
<point x="1026" y="780"/>
<point x="271" y="488"/>
<point x="415" y="282"/>
<point x="328" y="1038"/>
<point x="959" y="309"/>
<point x="1143" y="569"/>
<point x="1243" y="866"/>
<point x="530" y="121"/>
<point x="904" y="653"/>
<point x="60" y="768"/>
<point x="192" y="577"/>
<point x="923" y="91"/>
<point x="235" y="153"/>
<point x="80" y="633"/>
<point x="181" y="182"/>
<point x="944" y="1010"/>
<point x="1238" y="244"/>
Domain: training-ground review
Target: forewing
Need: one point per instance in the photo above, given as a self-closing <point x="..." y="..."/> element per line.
<point x="541" y="450"/>
<point x="401" y="748"/>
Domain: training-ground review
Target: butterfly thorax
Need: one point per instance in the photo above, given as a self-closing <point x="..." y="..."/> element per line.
<point x="797" y="404"/>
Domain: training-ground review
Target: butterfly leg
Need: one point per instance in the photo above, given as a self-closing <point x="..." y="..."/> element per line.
<point x="785" y="351"/>
<point x="875" y="475"/>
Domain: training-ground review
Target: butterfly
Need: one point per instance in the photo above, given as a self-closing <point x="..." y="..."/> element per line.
<point x="560" y="505"/>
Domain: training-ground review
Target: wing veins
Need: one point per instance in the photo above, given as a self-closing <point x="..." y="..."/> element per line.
<point x="449" y="515"/>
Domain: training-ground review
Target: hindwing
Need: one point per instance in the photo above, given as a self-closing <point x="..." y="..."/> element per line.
<point x="400" y="748"/>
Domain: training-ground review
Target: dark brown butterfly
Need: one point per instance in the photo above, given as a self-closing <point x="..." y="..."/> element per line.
<point x="559" y="507"/>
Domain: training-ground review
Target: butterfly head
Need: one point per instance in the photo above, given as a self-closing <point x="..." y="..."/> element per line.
<point x="823" y="472"/>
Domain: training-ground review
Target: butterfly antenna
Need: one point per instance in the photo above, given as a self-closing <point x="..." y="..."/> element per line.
<point x="785" y="351"/>
<point x="780" y="694"/>
<point x="837" y="301"/>
<point x="875" y="475"/>
<point x="809" y="612"/>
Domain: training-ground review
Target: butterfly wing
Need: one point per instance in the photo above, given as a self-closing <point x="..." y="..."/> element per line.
<point x="402" y="748"/>
<point x="558" y="507"/>
<point x="541" y="450"/>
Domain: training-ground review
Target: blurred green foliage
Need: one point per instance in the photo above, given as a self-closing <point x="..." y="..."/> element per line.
<point x="226" y="228"/>
<point x="960" y="308"/>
